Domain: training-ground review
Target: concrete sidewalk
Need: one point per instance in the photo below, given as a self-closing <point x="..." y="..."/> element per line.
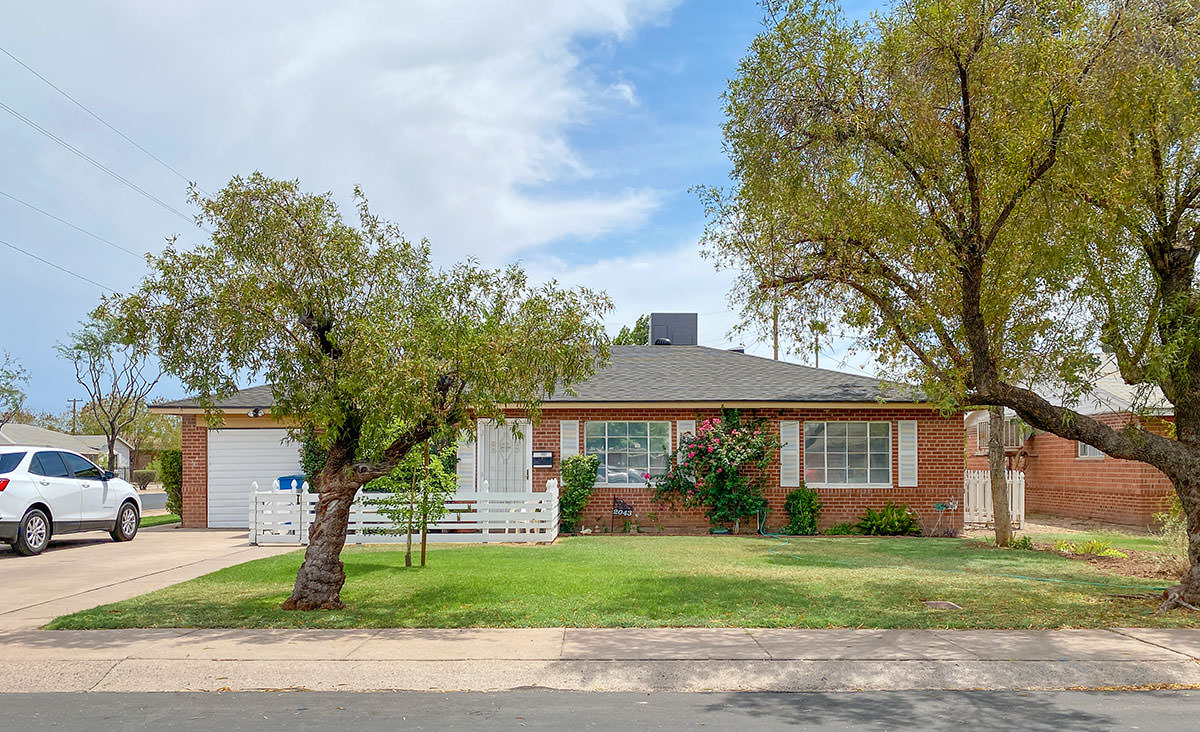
<point x="665" y="659"/>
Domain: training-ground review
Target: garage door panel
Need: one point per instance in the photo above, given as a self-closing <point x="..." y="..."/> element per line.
<point x="237" y="458"/>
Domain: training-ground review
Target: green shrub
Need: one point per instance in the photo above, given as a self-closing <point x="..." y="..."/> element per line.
<point x="143" y="478"/>
<point x="312" y="460"/>
<point x="891" y="520"/>
<point x="1091" y="547"/>
<point x="1021" y="542"/>
<point x="842" y="529"/>
<point x="172" y="479"/>
<point x="578" y="476"/>
<point x="803" y="507"/>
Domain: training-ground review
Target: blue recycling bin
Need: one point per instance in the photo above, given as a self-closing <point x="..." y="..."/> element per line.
<point x="285" y="482"/>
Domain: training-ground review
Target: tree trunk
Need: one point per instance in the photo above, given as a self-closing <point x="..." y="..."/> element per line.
<point x="320" y="579"/>
<point x="425" y="504"/>
<point x="999" y="479"/>
<point x="112" y="450"/>
<point x="424" y="535"/>
<point x="412" y="491"/>
<point x="1187" y="592"/>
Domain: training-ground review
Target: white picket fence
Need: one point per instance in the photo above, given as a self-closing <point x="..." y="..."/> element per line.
<point x="285" y="517"/>
<point x="977" y="508"/>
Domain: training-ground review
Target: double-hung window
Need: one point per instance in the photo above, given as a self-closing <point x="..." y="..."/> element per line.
<point x="848" y="453"/>
<point x="628" y="451"/>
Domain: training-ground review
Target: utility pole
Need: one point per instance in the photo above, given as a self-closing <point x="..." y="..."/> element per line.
<point x="775" y="328"/>
<point x="816" y="351"/>
<point x="74" y="402"/>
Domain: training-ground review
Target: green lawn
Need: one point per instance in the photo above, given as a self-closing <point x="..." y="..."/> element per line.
<point x="168" y="518"/>
<point x="1118" y="539"/>
<point x="667" y="581"/>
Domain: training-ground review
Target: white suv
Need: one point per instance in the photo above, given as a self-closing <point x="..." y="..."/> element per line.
<point x="44" y="492"/>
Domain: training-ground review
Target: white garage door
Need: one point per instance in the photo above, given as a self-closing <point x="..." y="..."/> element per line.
<point x="236" y="458"/>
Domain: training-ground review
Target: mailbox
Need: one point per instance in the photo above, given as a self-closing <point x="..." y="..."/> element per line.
<point x="543" y="459"/>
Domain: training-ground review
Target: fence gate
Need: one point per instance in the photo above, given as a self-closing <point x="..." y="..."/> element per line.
<point x="977" y="485"/>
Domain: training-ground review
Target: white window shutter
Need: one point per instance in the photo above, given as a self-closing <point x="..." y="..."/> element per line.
<point x="906" y="453"/>
<point x="466" y="463"/>
<point x="568" y="439"/>
<point x="685" y="427"/>
<point x="789" y="454"/>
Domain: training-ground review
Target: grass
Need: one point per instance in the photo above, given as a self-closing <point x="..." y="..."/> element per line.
<point x="666" y="581"/>
<point x="167" y="518"/>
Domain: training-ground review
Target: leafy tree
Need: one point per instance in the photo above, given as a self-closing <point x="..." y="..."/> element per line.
<point x="12" y="395"/>
<point x="367" y="345"/>
<point x="114" y="372"/>
<point x="636" y="335"/>
<point x="419" y="488"/>
<point x="983" y="191"/>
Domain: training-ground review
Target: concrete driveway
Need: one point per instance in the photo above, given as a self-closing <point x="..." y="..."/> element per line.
<point x="80" y="571"/>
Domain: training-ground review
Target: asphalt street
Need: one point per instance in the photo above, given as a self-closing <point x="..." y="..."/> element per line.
<point x="536" y="709"/>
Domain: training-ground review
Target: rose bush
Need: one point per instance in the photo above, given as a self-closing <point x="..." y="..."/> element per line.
<point x="722" y="468"/>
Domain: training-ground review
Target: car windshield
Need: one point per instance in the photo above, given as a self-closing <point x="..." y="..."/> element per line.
<point x="9" y="461"/>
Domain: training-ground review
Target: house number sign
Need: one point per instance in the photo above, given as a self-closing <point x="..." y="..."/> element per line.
<point x="621" y="508"/>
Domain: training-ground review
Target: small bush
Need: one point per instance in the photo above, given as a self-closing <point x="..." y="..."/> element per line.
<point x="578" y="474"/>
<point x="172" y="479"/>
<point x="891" y="520"/>
<point x="803" y="507"/>
<point x="843" y="529"/>
<point x="143" y="478"/>
<point x="1092" y="547"/>
<point x="1172" y="534"/>
<point x="1021" y="542"/>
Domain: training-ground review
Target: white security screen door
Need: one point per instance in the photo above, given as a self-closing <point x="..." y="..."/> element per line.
<point x="504" y="458"/>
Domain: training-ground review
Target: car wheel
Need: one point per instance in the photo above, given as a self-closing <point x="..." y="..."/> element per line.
<point x="33" y="534"/>
<point x="127" y="523"/>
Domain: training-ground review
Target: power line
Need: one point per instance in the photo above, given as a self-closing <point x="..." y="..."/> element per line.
<point x="97" y="164"/>
<point x="94" y="116"/>
<point x="55" y="266"/>
<point x="80" y="229"/>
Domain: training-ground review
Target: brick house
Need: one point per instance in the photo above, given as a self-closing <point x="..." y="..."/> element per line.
<point x="1072" y="479"/>
<point x="856" y="443"/>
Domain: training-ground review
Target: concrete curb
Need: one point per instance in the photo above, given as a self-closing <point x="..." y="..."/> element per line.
<point x="604" y="659"/>
<point x="158" y="675"/>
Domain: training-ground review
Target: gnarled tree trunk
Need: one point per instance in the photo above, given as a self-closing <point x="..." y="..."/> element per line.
<point x="320" y="579"/>
<point x="999" y="478"/>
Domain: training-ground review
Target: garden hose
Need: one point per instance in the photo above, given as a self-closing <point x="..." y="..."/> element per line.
<point x="784" y="541"/>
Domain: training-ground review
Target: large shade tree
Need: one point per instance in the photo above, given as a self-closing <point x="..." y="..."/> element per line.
<point x="987" y="193"/>
<point x="369" y="347"/>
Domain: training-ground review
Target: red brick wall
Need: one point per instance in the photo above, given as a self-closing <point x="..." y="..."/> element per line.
<point x="195" y="474"/>
<point x="1059" y="483"/>
<point x="939" y="468"/>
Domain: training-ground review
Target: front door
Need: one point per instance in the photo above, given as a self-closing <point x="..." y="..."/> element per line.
<point x="504" y="457"/>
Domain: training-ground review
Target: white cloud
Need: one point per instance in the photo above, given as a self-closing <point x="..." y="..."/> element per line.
<point x="453" y="116"/>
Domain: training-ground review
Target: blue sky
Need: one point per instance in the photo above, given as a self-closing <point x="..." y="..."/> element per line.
<point x="561" y="135"/>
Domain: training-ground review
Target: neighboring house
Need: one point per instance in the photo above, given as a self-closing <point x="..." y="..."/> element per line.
<point x="121" y="450"/>
<point x="861" y="446"/>
<point x="1073" y="479"/>
<point x="26" y="434"/>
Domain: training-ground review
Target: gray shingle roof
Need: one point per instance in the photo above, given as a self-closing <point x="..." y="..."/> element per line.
<point x="14" y="433"/>
<point x="677" y="374"/>
<point x="255" y="396"/>
<point x="703" y="374"/>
